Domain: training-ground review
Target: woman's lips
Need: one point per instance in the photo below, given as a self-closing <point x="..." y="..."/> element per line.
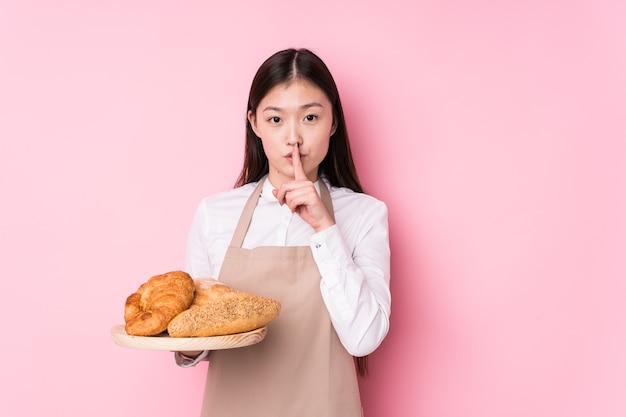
<point x="289" y="157"/>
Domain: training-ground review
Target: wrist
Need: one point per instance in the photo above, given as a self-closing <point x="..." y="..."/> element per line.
<point x="324" y="226"/>
<point x="191" y="354"/>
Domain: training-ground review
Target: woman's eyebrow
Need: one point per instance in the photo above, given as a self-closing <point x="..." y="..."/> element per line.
<point x="308" y="106"/>
<point x="303" y="107"/>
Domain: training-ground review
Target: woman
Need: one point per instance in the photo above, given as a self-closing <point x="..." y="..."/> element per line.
<point x="298" y="228"/>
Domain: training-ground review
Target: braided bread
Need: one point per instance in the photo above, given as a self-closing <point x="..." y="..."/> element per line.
<point x="220" y="310"/>
<point x="157" y="301"/>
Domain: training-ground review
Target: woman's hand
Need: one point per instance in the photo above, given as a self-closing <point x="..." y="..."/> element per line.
<point x="301" y="197"/>
<point x="192" y="354"/>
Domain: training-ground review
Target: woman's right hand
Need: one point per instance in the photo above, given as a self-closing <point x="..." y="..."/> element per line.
<point x="301" y="197"/>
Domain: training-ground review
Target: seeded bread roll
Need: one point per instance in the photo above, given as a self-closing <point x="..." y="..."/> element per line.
<point x="220" y="310"/>
<point x="149" y="310"/>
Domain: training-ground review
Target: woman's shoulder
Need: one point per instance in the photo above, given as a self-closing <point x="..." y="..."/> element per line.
<point x="347" y="198"/>
<point x="226" y="200"/>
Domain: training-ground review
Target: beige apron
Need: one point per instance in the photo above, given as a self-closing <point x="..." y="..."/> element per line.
<point x="300" y="369"/>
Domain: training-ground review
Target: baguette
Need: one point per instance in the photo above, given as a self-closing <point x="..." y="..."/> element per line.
<point x="220" y="310"/>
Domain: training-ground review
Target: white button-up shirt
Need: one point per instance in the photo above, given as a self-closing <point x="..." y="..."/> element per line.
<point x="353" y="255"/>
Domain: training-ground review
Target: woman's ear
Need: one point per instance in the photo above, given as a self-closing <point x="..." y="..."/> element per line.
<point x="333" y="128"/>
<point x="252" y="120"/>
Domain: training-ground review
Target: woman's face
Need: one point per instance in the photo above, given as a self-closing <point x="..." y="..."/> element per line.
<point x="295" y="114"/>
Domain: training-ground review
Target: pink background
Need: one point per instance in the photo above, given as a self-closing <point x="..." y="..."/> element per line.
<point x="495" y="131"/>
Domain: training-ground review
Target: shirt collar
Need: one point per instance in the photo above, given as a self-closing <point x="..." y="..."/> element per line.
<point x="267" y="195"/>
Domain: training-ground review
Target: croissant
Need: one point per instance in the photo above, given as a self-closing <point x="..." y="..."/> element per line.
<point x="149" y="310"/>
<point x="220" y="310"/>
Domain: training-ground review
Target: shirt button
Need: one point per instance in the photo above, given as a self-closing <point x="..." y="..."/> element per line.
<point x="318" y="245"/>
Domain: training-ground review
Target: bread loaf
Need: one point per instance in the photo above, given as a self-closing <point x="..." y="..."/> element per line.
<point x="220" y="310"/>
<point x="149" y="310"/>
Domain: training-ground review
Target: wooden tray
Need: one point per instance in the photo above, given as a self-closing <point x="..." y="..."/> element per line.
<point x="164" y="342"/>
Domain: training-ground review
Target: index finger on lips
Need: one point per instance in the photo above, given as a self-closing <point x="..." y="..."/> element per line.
<point x="298" y="171"/>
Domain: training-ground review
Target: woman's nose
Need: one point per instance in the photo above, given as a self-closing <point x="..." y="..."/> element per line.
<point x="293" y="135"/>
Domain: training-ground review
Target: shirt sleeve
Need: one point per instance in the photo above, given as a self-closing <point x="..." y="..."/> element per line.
<point x="197" y="265"/>
<point x="355" y="283"/>
<point x="197" y="262"/>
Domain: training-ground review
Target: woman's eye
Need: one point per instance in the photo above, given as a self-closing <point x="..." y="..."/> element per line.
<point x="310" y="117"/>
<point x="274" y="119"/>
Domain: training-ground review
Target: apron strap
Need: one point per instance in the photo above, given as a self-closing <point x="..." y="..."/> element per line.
<point x="246" y="215"/>
<point x="248" y="210"/>
<point x="325" y="196"/>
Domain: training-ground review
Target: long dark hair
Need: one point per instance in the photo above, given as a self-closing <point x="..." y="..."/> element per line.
<point x="337" y="167"/>
<point x="285" y="67"/>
